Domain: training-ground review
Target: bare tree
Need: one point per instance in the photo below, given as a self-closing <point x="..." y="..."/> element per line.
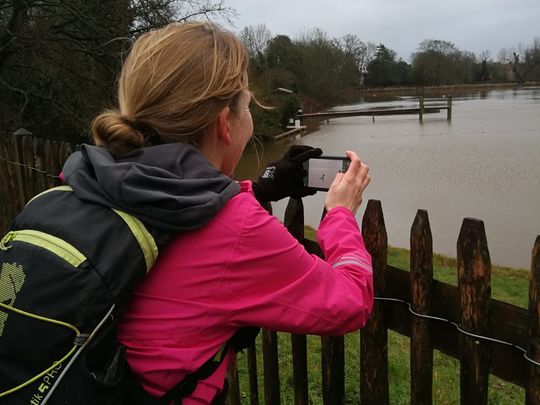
<point x="352" y="46"/>
<point x="524" y="61"/>
<point x="59" y="59"/>
<point x="371" y="52"/>
<point x="256" y="39"/>
<point x="484" y="55"/>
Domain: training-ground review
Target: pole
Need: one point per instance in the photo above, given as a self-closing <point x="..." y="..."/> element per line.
<point x="421" y="109"/>
<point x="449" y="110"/>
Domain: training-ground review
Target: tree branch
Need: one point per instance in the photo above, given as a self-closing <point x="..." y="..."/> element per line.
<point x="18" y="19"/>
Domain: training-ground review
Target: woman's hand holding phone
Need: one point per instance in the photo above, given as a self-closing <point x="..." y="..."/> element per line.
<point x="284" y="178"/>
<point x="347" y="188"/>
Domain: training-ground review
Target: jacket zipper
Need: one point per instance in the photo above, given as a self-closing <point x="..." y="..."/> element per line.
<point x="46" y="241"/>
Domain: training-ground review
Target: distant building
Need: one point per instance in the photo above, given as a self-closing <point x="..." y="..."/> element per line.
<point x="509" y="73"/>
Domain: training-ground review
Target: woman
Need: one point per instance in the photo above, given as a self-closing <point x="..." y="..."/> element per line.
<point x="184" y="113"/>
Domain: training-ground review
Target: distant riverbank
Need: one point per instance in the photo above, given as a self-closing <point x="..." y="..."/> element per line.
<point x="354" y="96"/>
<point x="443" y="88"/>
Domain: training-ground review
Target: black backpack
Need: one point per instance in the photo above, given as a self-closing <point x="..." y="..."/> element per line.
<point x="68" y="268"/>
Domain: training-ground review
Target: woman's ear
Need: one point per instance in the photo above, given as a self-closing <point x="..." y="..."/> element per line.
<point x="223" y="132"/>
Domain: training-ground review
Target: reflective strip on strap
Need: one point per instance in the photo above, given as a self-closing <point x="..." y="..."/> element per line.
<point x="144" y="238"/>
<point x="59" y="188"/>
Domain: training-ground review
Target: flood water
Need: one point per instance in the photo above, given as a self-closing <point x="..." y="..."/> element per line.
<point x="484" y="164"/>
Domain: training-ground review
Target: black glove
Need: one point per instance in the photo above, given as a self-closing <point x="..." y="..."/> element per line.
<point x="284" y="178"/>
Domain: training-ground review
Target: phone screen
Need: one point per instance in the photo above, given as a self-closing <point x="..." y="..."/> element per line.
<point x="322" y="171"/>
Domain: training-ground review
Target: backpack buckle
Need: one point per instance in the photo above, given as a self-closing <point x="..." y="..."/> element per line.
<point x="80" y="339"/>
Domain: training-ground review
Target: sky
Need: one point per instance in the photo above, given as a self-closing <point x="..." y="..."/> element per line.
<point x="472" y="25"/>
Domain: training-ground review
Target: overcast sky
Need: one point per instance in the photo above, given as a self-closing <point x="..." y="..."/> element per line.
<point x="472" y="25"/>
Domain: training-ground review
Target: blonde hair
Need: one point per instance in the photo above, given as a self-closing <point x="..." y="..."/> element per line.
<point x="173" y="85"/>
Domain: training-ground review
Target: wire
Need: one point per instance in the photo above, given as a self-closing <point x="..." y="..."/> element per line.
<point x="35" y="169"/>
<point x="477" y="336"/>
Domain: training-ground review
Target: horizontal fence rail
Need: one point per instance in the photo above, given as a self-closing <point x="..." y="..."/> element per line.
<point x="487" y="336"/>
<point x="425" y="106"/>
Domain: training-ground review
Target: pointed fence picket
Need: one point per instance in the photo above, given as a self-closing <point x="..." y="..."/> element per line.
<point x="294" y="221"/>
<point x="469" y="306"/>
<point x="374" y="336"/>
<point x="421" y="281"/>
<point x="533" y="386"/>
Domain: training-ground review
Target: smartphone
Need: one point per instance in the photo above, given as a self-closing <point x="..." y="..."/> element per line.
<point x="321" y="171"/>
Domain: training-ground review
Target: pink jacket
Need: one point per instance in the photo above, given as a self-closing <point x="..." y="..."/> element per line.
<point x="242" y="269"/>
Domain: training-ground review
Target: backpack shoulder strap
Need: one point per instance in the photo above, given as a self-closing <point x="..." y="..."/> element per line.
<point x="242" y="339"/>
<point x="144" y="238"/>
<point x="185" y="387"/>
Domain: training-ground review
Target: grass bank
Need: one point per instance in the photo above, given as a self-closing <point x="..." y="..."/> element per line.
<point x="509" y="285"/>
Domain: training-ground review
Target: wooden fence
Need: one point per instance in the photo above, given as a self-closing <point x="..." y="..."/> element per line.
<point x="471" y="314"/>
<point x="28" y="165"/>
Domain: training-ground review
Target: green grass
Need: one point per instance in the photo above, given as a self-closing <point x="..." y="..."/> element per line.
<point x="509" y="285"/>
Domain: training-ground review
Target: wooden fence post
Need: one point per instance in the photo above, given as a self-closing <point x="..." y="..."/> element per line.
<point x="333" y="365"/>
<point x="5" y="184"/>
<point x="29" y="159"/>
<point x="270" y="358"/>
<point x="294" y="221"/>
<point x="333" y="370"/>
<point x="252" y="371"/>
<point x="11" y="181"/>
<point x="54" y="164"/>
<point x="233" y="395"/>
<point x="48" y="150"/>
<point x="37" y="145"/>
<point x="18" y="169"/>
<point x="374" y="336"/>
<point x="421" y="277"/>
<point x="533" y="386"/>
<point x="66" y="149"/>
<point x="474" y="285"/>
<point x="271" y="368"/>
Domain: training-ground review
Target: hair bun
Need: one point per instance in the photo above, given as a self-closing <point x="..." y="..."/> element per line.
<point x="116" y="132"/>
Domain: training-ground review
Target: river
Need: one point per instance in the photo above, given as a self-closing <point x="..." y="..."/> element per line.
<point x="485" y="164"/>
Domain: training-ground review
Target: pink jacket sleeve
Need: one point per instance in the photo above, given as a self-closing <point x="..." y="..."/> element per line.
<point x="274" y="283"/>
